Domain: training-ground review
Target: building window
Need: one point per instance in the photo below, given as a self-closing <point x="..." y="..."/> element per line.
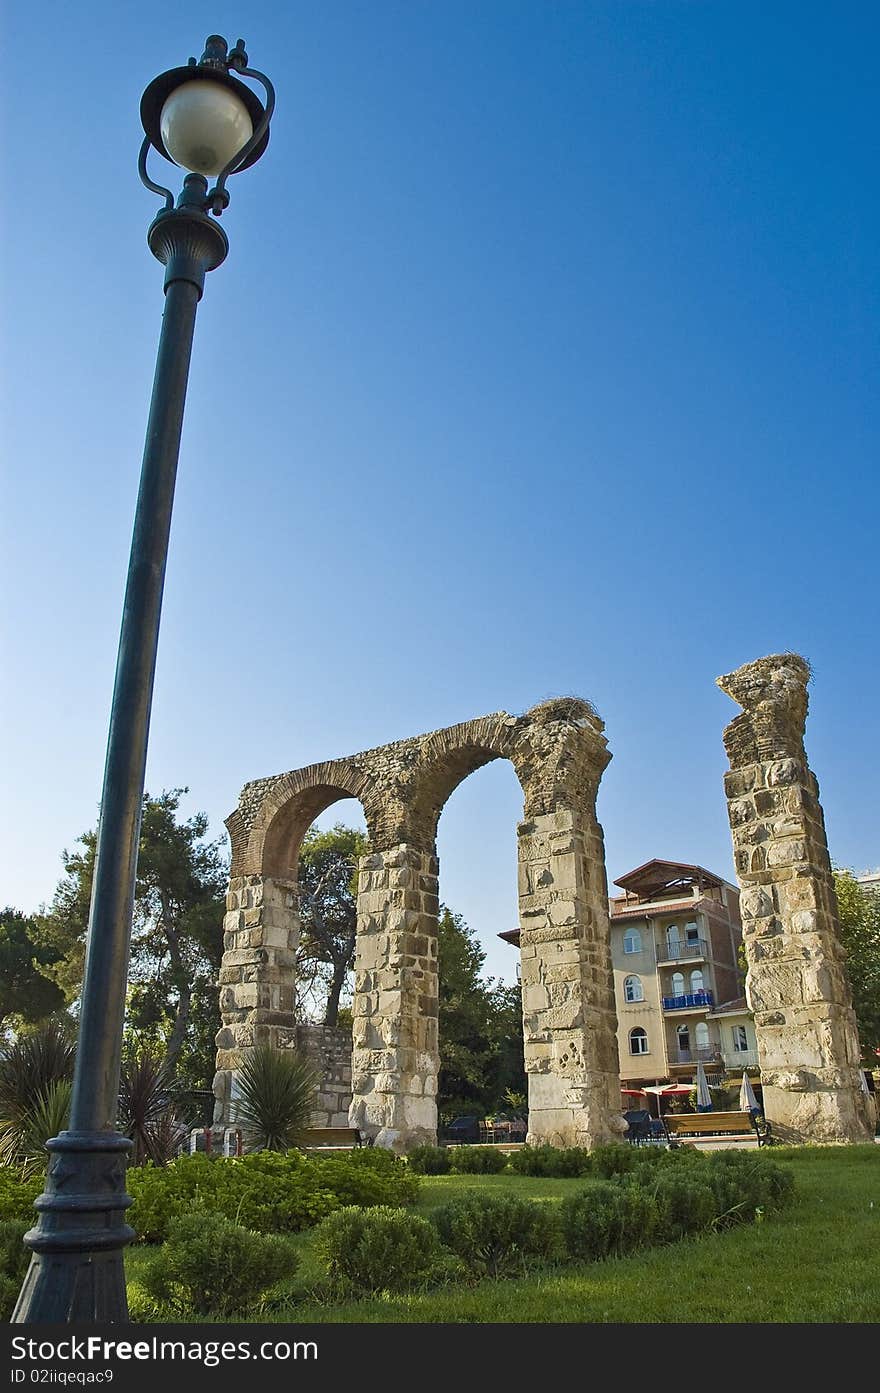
<point x="696" y="980"/>
<point x="683" y="1036"/>
<point x="691" y="933"/>
<point x="638" y="1041"/>
<point x="740" y="1038"/>
<point x="678" y="984"/>
<point x="701" y="1035"/>
<point x="632" y="941"/>
<point x="672" y="939"/>
<point x="632" y="989"/>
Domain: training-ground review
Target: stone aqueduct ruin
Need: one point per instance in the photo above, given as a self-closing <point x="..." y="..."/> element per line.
<point x="803" y="1015"/>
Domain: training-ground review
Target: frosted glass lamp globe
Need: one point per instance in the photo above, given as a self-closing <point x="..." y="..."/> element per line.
<point x="204" y="125"/>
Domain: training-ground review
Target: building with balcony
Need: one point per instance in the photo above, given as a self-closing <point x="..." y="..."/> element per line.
<point x="736" y="1033"/>
<point x="675" y="932"/>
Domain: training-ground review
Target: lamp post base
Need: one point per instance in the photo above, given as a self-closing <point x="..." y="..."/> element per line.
<point x="77" y="1271"/>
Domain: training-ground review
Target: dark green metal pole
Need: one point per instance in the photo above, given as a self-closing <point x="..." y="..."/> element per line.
<point x="77" y="1271"/>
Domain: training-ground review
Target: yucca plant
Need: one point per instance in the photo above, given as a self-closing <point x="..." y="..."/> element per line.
<point x="276" y="1095"/>
<point x="146" y="1111"/>
<point x="23" y="1139"/>
<point x="35" y="1082"/>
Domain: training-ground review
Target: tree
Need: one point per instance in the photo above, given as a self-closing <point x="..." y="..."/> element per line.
<point x="25" y="990"/>
<point x="859" y="912"/>
<point x="480" y="1026"/>
<point x="177" y="937"/>
<point x="327" y="880"/>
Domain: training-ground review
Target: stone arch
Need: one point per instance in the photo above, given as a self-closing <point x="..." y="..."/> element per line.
<point x="558" y="751"/>
<point x="269" y="844"/>
<point x="262" y="925"/>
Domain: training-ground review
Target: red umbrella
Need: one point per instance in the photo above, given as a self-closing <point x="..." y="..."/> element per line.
<point x="633" y="1092"/>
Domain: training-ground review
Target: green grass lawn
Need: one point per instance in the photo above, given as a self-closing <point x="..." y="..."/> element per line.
<point x="817" y="1261"/>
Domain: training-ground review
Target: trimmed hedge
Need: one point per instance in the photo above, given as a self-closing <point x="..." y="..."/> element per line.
<point x="369" y="1250"/>
<point x="477" y="1160"/>
<point x="430" y="1160"/>
<point x="17" y="1194"/>
<point x="499" y="1235"/>
<point x="268" y="1191"/>
<point x="210" y="1266"/>
<point x="552" y="1161"/>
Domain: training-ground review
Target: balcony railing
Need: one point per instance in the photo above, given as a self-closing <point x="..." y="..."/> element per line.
<point x="688" y="1000"/>
<point x="706" y="1054"/>
<point x="682" y="948"/>
<point x="741" y="1059"/>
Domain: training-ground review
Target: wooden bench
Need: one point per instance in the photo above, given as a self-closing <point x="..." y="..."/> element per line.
<point x="717" y="1124"/>
<point x="332" y="1139"/>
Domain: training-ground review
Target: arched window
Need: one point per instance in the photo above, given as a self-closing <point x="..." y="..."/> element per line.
<point x="638" y="1041"/>
<point x="678" y="984"/>
<point x="632" y="941"/>
<point x="696" y="980"/>
<point x="701" y="1035"/>
<point x="632" y="989"/>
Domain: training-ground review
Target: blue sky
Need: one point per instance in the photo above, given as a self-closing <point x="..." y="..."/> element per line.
<point x="545" y="360"/>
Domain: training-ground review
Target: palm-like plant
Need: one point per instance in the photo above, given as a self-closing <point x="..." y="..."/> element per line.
<point x="276" y="1095"/>
<point x="35" y="1082"/>
<point x="146" y="1112"/>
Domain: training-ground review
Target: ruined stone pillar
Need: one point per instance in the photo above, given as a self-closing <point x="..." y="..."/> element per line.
<point x="806" y="1029"/>
<point x="260" y="937"/>
<point x="569" y="1016"/>
<point x="395" y="1060"/>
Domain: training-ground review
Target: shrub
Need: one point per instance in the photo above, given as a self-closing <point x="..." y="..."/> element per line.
<point x="18" y="1190"/>
<point x="609" y="1218"/>
<point x="686" y="1204"/>
<point x="14" y="1261"/>
<point x="744" y="1182"/>
<point x="266" y="1191"/>
<point x="367" y="1177"/>
<point x="209" y="1266"/>
<point x="563" y="1162"/>
<point x="477" y="1160"/>
<point x="497" y="1235"/>
<point x="430" y="1160"/>
<point x="380" y="1249"/>
<point x="269" y="1193"/>
<point x="616" y="1158"/>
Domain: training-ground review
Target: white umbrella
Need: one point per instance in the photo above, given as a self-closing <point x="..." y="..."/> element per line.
<point x="704" y="1097"/>
<point x="747" y="1099"/>
<point x="863" y="1082"/>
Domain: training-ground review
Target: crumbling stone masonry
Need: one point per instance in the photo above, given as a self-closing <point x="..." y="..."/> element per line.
<point x="329" y="1049"/>
<point x="559" y="751"/>
<point x="797" y="987"/>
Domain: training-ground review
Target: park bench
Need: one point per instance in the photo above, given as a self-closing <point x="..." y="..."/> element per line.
<point x="717" y="1124"/>
<point x="332" y="1139"/>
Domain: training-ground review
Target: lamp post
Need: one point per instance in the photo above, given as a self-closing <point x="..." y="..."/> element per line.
<point x="204" y="118"/>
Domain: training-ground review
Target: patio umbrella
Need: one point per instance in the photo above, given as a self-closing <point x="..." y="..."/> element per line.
<point x="663" y="1090"/>
<point x="863" y="1082"/>
<point x="747" y="1100"/>
<point x="704" y="1097"/>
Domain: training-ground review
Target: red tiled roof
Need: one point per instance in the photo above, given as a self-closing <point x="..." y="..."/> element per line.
<point x="643" y="911"/>
<point x="730" y="1008"/>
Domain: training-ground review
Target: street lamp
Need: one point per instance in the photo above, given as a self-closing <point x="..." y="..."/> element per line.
<point x="204" y="118"/>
